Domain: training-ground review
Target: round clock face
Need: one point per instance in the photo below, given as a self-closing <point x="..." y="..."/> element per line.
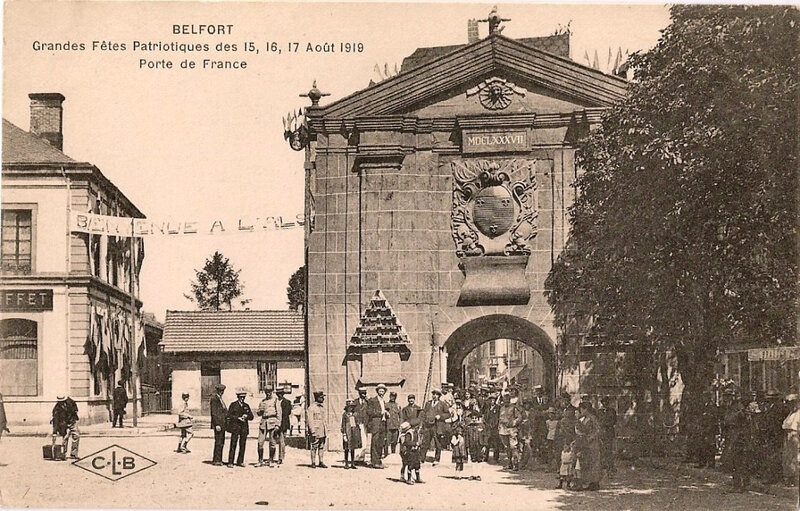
<point x="496" y="96"/>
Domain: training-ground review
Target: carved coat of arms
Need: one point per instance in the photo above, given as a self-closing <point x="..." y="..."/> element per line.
<point x="494" y="207"/>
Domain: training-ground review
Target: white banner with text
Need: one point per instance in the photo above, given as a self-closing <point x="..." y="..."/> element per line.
<point x="142" y="227"/>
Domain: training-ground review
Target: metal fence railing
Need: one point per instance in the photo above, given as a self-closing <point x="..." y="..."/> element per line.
<point x="156" y="400"/>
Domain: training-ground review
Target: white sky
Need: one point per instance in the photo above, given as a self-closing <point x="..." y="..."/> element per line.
<point x="195" y="143"/>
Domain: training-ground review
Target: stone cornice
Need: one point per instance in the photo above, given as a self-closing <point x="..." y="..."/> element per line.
<point x="9" y="281"/>
<point x="416" y="125"/>
<point x="75" y="171"/>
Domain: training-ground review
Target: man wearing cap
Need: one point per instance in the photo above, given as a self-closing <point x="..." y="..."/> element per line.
<point x="392" y="424"/>
<point x="270" y="412"/>
<point x="411" y="412"/>
<point x="316" y="419"/>
<point x="239" y="415"/>
<point x="286" y="412"/>
<point x="434" y="415"/>
<point x="360" y="412"/>
<point x="377" y="416"/>
<point x="219" y="417"/>
<point x="65" y="424"/>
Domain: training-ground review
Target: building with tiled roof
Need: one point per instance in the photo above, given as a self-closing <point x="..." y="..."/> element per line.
<point x="66" y="296"/>
<point x="247" y="349"/>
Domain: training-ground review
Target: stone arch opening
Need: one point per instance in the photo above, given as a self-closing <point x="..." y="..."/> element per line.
<point x="478" y="331"/>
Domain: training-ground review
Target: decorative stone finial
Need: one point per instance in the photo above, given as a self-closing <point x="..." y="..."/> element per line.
<point x="314" y="94"/>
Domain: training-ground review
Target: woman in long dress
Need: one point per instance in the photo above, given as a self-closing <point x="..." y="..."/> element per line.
<point x="587" y="444"/>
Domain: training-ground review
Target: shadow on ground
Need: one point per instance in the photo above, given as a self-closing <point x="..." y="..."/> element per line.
<point x="647" y="488"/>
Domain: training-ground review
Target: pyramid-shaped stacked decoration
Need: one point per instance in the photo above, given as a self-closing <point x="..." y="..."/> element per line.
<point x="378" y="326"/>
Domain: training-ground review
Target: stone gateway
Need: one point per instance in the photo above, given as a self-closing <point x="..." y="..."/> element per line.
<point x="446" y="188"/>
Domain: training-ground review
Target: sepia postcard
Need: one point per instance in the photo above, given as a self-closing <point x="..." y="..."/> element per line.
<point x="398" y="255"/>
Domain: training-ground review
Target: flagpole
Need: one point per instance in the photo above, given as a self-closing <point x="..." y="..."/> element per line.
<point x="134" y="350"/>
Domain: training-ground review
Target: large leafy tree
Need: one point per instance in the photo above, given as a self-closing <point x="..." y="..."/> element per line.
<point x="216" y="285"/>
<point x="296" y="290"/>
<point x="683" y="235"/>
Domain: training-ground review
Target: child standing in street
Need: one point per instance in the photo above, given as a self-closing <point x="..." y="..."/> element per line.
<point x="185" y="423"/>
<point x="552" y="427"/>
<point x="458" y="445"/>
<point x="351" y="434"/>
<point x="409" y="454"/>
<point x="566" y="474"/>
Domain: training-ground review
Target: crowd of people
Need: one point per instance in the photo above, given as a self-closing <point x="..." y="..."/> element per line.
<point x="757" y="434"/>
<point x="274" y="412"/>
<point x="477" y="425"/>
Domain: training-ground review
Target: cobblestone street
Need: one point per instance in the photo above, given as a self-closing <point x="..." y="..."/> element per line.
<point x="189" y="481"/>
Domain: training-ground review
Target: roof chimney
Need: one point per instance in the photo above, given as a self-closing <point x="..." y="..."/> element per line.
<point x="472" y="31"/>
<point x="47" y="117"/>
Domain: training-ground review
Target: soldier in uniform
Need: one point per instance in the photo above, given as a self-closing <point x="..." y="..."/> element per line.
<point x="393" y="424"/>
<point x="270" y="411"/>
<point x="286" y="412"/>
<point x="316" y="418"/>
<point x="239" y="416"/>
<point x="510" y="419"/>
<point x="219" y="419"/>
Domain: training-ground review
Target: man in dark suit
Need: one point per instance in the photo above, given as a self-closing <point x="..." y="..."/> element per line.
<point x="239" y="414"/>
<point x="119" y="404"/>
<point x="434" y="426"/>
<point x="219" y="414"/>
<point x="377" y="415"/>
<point x="286" y="412"/>
<point x="411" y="413"/>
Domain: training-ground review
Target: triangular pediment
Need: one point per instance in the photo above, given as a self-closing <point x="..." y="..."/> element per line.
<point x="539" y="74"/>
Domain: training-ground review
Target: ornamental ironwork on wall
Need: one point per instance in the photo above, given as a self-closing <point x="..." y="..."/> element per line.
<point x="494" y="206"/>
<point x="495" y="93"/>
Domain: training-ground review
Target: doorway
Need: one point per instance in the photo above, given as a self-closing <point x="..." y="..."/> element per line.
<point x="209" y="378"/>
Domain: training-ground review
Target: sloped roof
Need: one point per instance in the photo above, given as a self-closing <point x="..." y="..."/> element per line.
<point x="28" y="155"/>
<point x="378" y="326"/>
<point x="555" y="44"/>
<point x="19" y="146"/>
<point x="233" y="331"/>
<point x="495" y="53"/>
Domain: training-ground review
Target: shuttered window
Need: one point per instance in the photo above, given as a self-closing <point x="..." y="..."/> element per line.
<point x="19" y="357"/>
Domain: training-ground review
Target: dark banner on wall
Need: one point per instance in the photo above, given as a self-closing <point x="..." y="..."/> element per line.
<point x="26" y="300"/>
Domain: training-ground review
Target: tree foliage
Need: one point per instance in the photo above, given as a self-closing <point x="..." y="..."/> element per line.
<point x="683" y="234"/>
<point x="216" y="285"/>
<point x="296" y="291"/>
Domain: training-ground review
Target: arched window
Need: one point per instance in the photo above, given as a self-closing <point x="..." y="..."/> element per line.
<point x="19" y="357"/>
